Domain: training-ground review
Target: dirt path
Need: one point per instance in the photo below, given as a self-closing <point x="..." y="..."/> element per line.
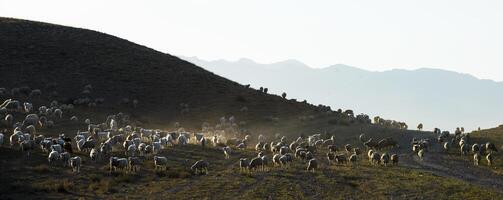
<point x="448" y="165"/>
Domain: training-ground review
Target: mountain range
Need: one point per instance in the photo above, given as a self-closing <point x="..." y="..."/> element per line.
<point x="434" y="97"/>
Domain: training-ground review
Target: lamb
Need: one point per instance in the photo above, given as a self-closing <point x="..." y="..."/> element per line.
<point x="160" y="162"/>
<point x="243" y="164"/>
<point x="200" y="166"/>
<point x="118" y="163"/>
<point x="312" y="165"/>
<point x="53" y="157"/>
<point x="476" y="158"/>
<point x="65" y="158"/>
<point x="385" y="159"/>
<point x="134" y="163"/>
<point x="227" y="152"/>
<point x="255" y="164"/>
<point x="75" y="163"/>
<point x="489" y="159"/>
<point x="394" y="159"/>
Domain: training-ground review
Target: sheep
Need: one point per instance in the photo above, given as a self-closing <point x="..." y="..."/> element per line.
<point x="94" y="154"/>
<point x="67" y="146"/>
<point x="182" y="140"/>
<point x="312" y="165"/>
<point x="65" y="158"/>
<point x="332" y="148"/>
<point x="134" y="163"/>
<point x="28" y="107"/>
<point x="200" y="166"/>
<point x="57" y="147"/>
<point x="243" y="164"/>
<point x="283" y="150"/>
<point x="156" y="147"/>
<point x="227" y="152"/>
<point x="31" y="119"/>
<point x="375" y="158"/>
<point x="330" y="157"/>
<point x="491" y="147"/>
<point x="421" y="154"/>
<point x="353" y="158"/>
<point x="258" y="146"/>
<point x="27" y="146"/>
<point x="369" y="154"/>
<point x="74" y="119"/>
<point x="475" y="148"/>
<point x="241" y="146"/>
<point x="160" y="162"/>
<point x="394" y="159"/>
<point x="1" y="138"/>
<point x="357" y="151"/>
<point x="348" y="148"/>
<point x="476" y="158"/>
<point x="275" y="160"/>
<point x="106" y="148"/>
<point x="9" y="119"/>
<point x="131" y="150"/>
<point x="53" y="157"/>
<point x="255" y="164"/>
<point x="340" y="159"/>
<point x="385" y="159"/>
<point x="88" y="144"/>
<point x="489" y="159"/>
<point x="117" y="163"/>
<point x="75" y="163"/>
<point x="261" y="138"/>
<point x="446" y="146"/>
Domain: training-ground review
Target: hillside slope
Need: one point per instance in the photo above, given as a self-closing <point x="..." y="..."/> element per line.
<point x="436" y="98"/>
<point x="64" y="59"/>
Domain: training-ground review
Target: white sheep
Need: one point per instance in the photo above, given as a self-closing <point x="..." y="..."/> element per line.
<point x="489" y="159"/>
<point x="75" y="163"/>
<point x="160" y="162"/>
<point x="53" y="157"/>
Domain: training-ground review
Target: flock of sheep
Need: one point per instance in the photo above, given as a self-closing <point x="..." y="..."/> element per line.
<point x="101" y="139"/>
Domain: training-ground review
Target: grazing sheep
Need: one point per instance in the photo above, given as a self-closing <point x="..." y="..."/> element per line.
<point x="421" y="154"/>
<point x="227" y="152"/>
<point x="385" y="159"/>
<point x="489" y="159"/>
<point x="118" y="163"/>
<point x="348" y="148"/>
<point x="446" y="146"/>
<point x="312" y="165"/>
<point x="134" y="163"/>
<point x="94" y="155"/>
<point x="27" y="146"/>
<point x="369" y="154"/>
<point x="476" y="158"/>
<point x="200" y="166"/>
<point x="475" y="148"/>
<point x="53" y="157"/>
<point x="491" y="147"/>
<point x="275" y="160"/>
<point x="340" y="159"/>
<point x="160" y="162"/>
<point x="353" y="158"/>
<point x="255" y="163"/>
<point x="375" y="158"/>
<point x="394" y="159"/>
<point x="75" y="163"/>
<point x="330" y="157"/>
<point x="259" y="146"/>
<point x="243" y="164"/>
<point x="283" y="150"/>
<point x="65" y="158"/>
<point x="57" y="147"/>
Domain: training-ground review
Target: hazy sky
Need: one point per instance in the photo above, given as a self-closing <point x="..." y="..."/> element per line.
<point x="460" y="35"/>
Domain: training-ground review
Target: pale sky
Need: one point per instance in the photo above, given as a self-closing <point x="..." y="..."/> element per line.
<point x="458" y="35"/>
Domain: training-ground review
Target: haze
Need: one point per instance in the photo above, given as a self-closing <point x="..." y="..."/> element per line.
<point x="463" y="36"/>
